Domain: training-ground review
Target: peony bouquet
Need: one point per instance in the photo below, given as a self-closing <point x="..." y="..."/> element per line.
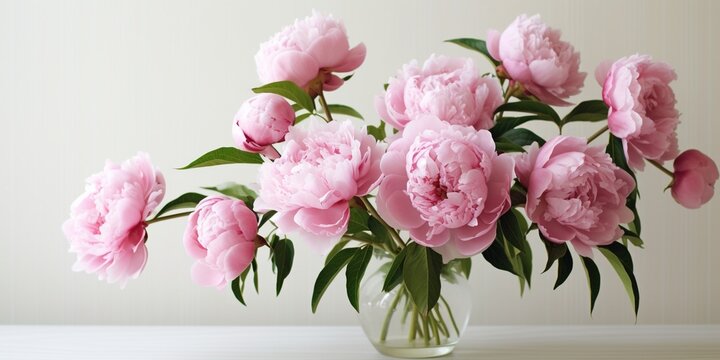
<point x="451" y="171"/>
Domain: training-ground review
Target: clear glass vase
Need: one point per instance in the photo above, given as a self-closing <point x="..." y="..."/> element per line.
<point x="395" y="327"/>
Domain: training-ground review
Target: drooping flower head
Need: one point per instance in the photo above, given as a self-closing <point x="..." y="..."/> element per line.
<point x="575" y="193"/>
<point x="106" y="228"/>
<point x="449" y="88"/>
<point x="533" y="55"/>
<point x="308" y="53"/>
<point x="446" y="185"/>
<point x="642" y="107"/>
<point x="220" y="236"/>
<point x="321" y="169"/>
<point x="694" y="179"/>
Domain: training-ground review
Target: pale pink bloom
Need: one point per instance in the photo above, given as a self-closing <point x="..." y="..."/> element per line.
<point x="262" y="121"/>
<point x="106" y="228"/>
<point x="220" y="236"/>
<point x="642" y="107"/>
<point x="449" y="88"/>
<point x="309" y="51"/>
<point x="694" y="179"/>
<point x="321" y="169"/>
<point x="575" y="193"/>
<point x="533" y="55"/>
<point x="446" y="185"/>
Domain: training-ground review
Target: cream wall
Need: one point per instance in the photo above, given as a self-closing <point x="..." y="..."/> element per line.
<point x="82" y="81"/>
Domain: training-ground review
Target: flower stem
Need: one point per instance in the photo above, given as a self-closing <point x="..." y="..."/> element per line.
<point x="324" y="105"/>
<point x="596" y="134"/>
<point x="393" y="233"/>
<point x="168" y="217"/>
<point x="452" y="318"/>
<point x="390" y="312"/>
<point x="441" y="322"/>
<point x="413" y="324"/>
<point x="433" y="324"/>
<point x="426" y="329"/>
<point x="661" y="168"/>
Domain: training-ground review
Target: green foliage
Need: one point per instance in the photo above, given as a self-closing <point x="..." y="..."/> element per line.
<point x="421" y="274"/>
<point x="222" y="156"/>
<point x="475" y="45"/>
<point x="522" y="137"/>
<point x="290" y="91"/>
<point x="617" y="154"/>
<point x="358" y="221"/>
<point x="354" y="273"/>
<point x="621" y="260"/>
<point x="589" y="111"/>
<point x="283" y="254"/>
<point x="593" y="279"/>
<point x="395" y="274"/>
<point x="184" y="201"/>
<point x="344" y="110"/>
<point x="237" y="191"/>
<point x="328" y="273"/>
<point x="540" y="110"/>
<point x="378" y="132"/>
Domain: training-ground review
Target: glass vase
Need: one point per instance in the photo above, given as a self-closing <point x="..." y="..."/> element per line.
<point x="396" y="328"/>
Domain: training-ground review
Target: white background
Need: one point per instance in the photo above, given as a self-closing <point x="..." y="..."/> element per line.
<point x="84" y="81"/>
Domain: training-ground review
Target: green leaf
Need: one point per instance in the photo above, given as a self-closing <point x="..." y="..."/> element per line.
<point x="354" y="273"/>
<point x="514" y="230"/>
<point x="301" y="117"/>
<point x="328" y="273"/>
<point x="381" y="233"/>
<point x="184" y="201"/>
<point x="348" y="77"/>
<point x="237" y="291"/>
<point x="554" y="251"/>
<point x="495" y="255"/>
<point x="256" y="281"/>
<point x="543" y="111"/>
<point x="466" y="266"/>
<point x="476" y="45"/>
<point x="235" y="190"/>
<point x="505" y="124"/>
<point x="336" y="249"/>
<point x="632" y="237"/>
<point x="421" y="274"/>
<point x="565" y="266"/>
<point x="378" y="132"/>
<point x="617" y="154"/>
<point x="522" y="137"/>
<point x="395" y="274"/>
<point x="518" y="194"/>
<point x="621" y="260"/>
<point x="358" y="220"/>
<point x="505" y="146"/>
<point x="297" y="107"/>
<point x="266" y="217"/>
<point x="222" y="156"/>
<point x="284" y="252"/>
<point x="290" y="91"/>
<point x="344" y="110"/>
<point x="591" y="111"/>
<point x="593" y="278"/>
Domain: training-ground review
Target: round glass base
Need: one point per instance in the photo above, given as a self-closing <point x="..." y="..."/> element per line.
<point x="401" y="348"/>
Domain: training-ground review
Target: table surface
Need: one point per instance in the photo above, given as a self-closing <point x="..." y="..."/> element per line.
<point x="19" y="342"/>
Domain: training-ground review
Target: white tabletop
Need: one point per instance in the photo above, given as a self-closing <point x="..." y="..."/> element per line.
<point x="349" y="343"/>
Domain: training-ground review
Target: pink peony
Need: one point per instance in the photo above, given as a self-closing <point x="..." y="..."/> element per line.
<point x="308" y="53"/>
<point x="321" y="169"/>
<point x="220" y="236"/>
<point x="449" y="88"/>
<point x="106" y="228"/>
<point x="263" y="120"/>
<point x="575" y="193"/>
<point x="642" y="107"/>
<point x="446" y="185"/>
<point x="533" y="55"/>
<point x="694" y="179"/>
